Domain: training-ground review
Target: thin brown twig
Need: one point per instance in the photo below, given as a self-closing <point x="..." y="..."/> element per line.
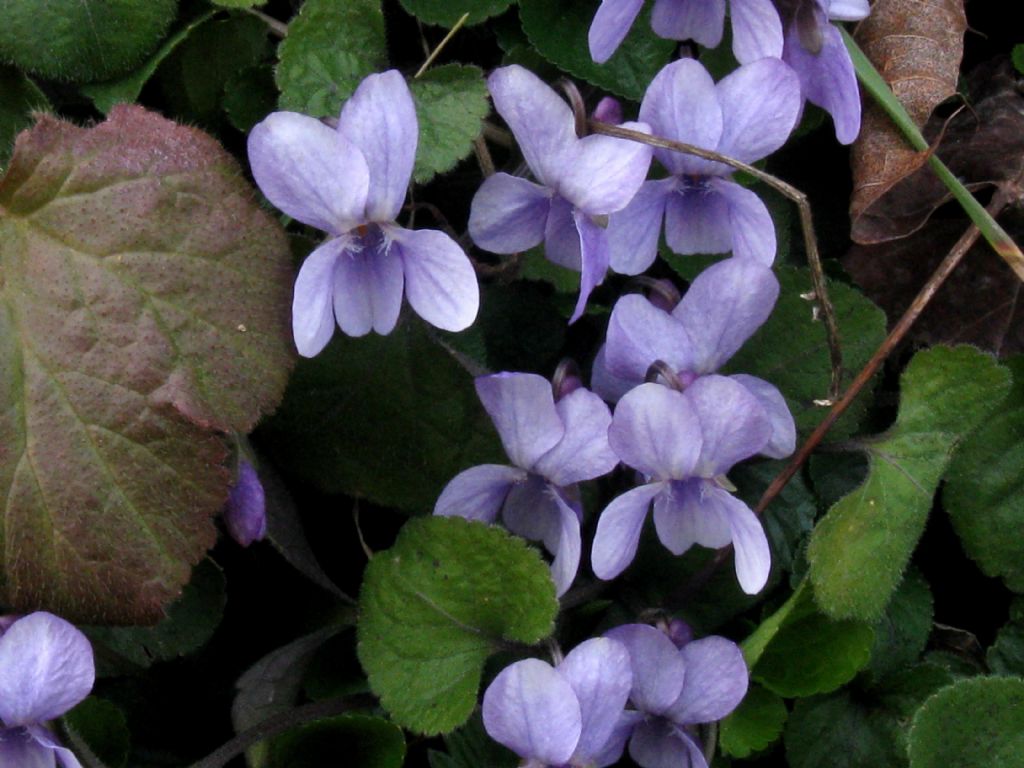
<point x="1004" y="196"/>
<point x="828" y="312"/>
<point x="440" y="46"/>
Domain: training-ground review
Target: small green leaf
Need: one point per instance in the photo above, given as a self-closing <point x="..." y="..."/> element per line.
<point x="791" y="351"/>
<point x="143" y="312"/>
<point x="1006" y="656"/>
<point x="984" y="491"/>
<point x="435" y="606"/>
<point x="331" y="46"/>
<point x="367" y="742"/>
<point x="82" y="40"/>
<point x="190" y="622"/>
<point x="98" y="728"/>
<point x="125" y="90"/>
<point x="447" y="12"/>
<point x="859" y="550"/>
<point x="558" y="29"/>
<point x="754" y="725"/>
<point x="19" y="97"/>
<point x="814" y="654"/>
<point x="451" y="101"/>
<point x="403" y="420"/>
<point x="902" y="633"/>
<point x="975" y="723"/>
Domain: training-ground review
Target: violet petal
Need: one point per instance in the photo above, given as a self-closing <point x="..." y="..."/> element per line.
<point x="639" y="334"/>
<point x="245" y="514"/>
<point x="312" y="302"/>
<point x="309" y="171"/>
<point x="715" y="684"/>
<point x="783" y="440"/>
<point x="478" y="493"/>
<point x="440" y="281"/>
<point x="611" y="751"/>
<point x="658" y="431"/>
<point x="594" y="254"/>
<point x="697" y="220"/>
<point x="733" y="424"/>
<point x="380" y="119"/>
<point x="658" y="668"/>
<point x="610" y="26"/>
<point x="848" y="10"/>
<point x="46" y="668"/>
<point x="583" y="453"/>
<point x="633" y="232"/>
<point x="532" y="710"/>
<point x="508" y="214"/>
<point x="535" y="510"/>
<point x="606" y="383"/>
<point x="756" y="30"/>
<point x="561" y="235"/>
<point x="702" y="21"/>
<point x="659" y="744"/>
<point x="599" y="672"/>
<point x="682" y="520"/>
<point x="368" y="290"/>
<point x="618" y="531"/>
<point x="828" y="79"/>
<point x="19" y="749"/>
<point x="64" y="756"/>
<point x="752" y="228"/>
<point x="522" y="407"/>
<point x="753" y="555"/>
<point x="603" y="173"/>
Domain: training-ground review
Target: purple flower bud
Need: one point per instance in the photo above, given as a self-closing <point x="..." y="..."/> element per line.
<point x="608" y="110"/>
<point x="245" y="514"/>
<point x="679" y="632"/>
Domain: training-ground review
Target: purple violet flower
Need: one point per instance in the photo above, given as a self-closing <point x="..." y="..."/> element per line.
<point x="581" y="182"/>
<point x="748" y="115"/>
<point x="674" y="690"/>
<point x="351" y="183"/>
<point x="46" y="668"/>
<point x="816" y="52"/>
<point x="756" y="28"/>
<point x="553" y="446"/>
<point x="725" y="304"/>
<point x="568" y="715"/>
<point x="245" y="514"/>
<point x="684" y="443"/>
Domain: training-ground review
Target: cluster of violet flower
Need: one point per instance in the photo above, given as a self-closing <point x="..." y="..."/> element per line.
<point x="575" y="713"/>
<point x="677" y="422"/>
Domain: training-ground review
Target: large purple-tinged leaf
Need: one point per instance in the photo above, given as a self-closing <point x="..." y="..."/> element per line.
<point x="143" y="309"/>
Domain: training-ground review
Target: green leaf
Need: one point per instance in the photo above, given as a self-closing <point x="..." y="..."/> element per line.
<point x="403" y="420"/>
<point x="195" y="77"/>
<point x="788" y="519"/>
<point x="125" y="90"/>
<point x="144" y="311"/>
<point x="19" y="97"/>
<point x="238" y="3"/>
<point x="1006" y="656"/>
<point x="447" y="12"/>
<point x="984" y="491"/>
<point x="249" y="96"/>
<point x="451" y="101"/>
<point x="436" y="605"/>
<point x="558" y="29"/>
<point x="855" y="728"/>
<point x="190" y="623"/>
<point x="97" y="728"/>
<point x="859" y="550"/>
<point x="813" y="654"/>
<point x="369" y="742"/>
<point x="976" y="723"/>
<point x="471" y="747"/>
<point x="754" y="725"/>
<point x="791" y="350"/>
<point x="82" y="40"/>
<point x="330" y="48"/>
<point x="902" y="633"/>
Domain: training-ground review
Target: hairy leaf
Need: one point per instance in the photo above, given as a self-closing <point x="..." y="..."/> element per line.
<point x="754" y="725"/>
<point x="143" y="304"/>
<point x="451" y="101"/>
<point x="1006" y="656"/>
<point x="330" y="48"/>
<point x="984" y="492"/>
<point x="369" y="742"/>
<point x="19" y="96"/>
<point x="558" y="29"/>
<point x="976" y="723"/>
<point x="902" y="633"/>
<point x="859" y="550"/>
<point x="81" y="40"/>
<point x="436" y="605"/>
<point x="448" y="12"/>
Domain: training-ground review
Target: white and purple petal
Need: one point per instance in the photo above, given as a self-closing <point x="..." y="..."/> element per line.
<point x="604" y="382"/>
<point x="783" y="440"/>
<point x="760" y="107"/>
<point x="702" y="21"/>
<point x="599" y="672"/>
<point x="309" y="171"/>
<point x="583" y="453"/>
<point x="682" y="520"/>
<point x="848" y="10"/>
<point x="723" y="307"/>
<point x="633" y="232"/>
<point x="657" y="430"/>
<point x="640" y="333"/>
<point x="478" y="493"/>
<point x="508" y="214"/>
<point x="618" y="531"/>
<point x="536" y="510"/>
<point x="594" y="255"/>
<point x="659" y="744"/>
<point x="697" y="219"/>
<point x="750" y="224"/>
<point x="522" y="407"/>
<point x="440" y="281"/>
<point x="539" y="118"/>
<point x="756" y="30"/>
<point x="380" y="119"/>
<point x="65" y="757"/>
<point x="603" y="173"/>
<point x="562" y="236"/>
<point x="716" y="681"/>
<point x="659" y="671"/>
<point x="46" y="668"/>
<point x="533" y="710"/>
<point x="610" y="26"/>
<point x="19" y="749"/>
<point x="368" y="284"/>
<point x="313" y="298"/>
<point x="733" y="425"/>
